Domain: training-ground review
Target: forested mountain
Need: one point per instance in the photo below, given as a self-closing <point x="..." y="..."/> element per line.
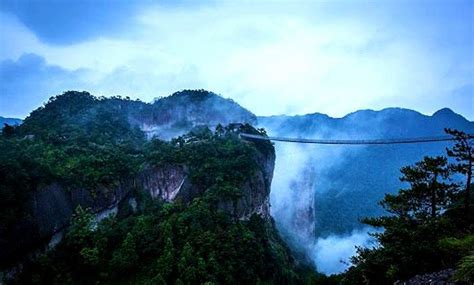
<point x="85" y="197"/>
<point x="189" y="108"/>
<point x="165" y="118"/>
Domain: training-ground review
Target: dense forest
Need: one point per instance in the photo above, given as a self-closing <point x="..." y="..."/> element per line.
<point x="79" y="141"/>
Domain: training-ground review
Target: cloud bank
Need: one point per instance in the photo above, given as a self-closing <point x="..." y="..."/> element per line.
<point x="279" y="57"/>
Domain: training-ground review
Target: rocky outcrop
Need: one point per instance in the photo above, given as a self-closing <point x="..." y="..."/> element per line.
<point x="255" y="197"/>
<point x="171" y="182"/>
<point x="443" y="277"/>
<point x="53" y="206"/>
<point x="164" y="182"/>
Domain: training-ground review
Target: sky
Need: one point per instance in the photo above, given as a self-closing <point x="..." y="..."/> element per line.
<point x="272" y="57"/>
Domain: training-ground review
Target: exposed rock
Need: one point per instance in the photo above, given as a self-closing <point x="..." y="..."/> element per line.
<point x="442" y="277"/>
<point x="165" y="182"/>
<point x="53" y="206"/>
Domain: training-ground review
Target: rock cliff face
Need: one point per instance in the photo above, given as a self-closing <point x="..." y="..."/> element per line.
<point x="165" y="182"/>
<point x="53" y="206"/>
<point x="255" y="193"/>
<point x="172" y="182"/>
<point x="443" y="277"/>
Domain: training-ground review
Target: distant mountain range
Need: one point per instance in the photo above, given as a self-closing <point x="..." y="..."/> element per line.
<point x="321" y="190"/>
<point x="389" y="122"/>
<point x="9" y="121"/>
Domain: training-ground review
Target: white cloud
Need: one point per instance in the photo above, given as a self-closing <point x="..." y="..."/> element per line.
<point x="273" y="58"/>
<point x="15" y="38"/>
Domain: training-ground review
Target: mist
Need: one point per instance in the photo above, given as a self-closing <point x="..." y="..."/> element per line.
<point x="332" y="254"/>
<point x="301" y="172"/>
<point x="302" y="177"/>
<point x="320" y="193"/>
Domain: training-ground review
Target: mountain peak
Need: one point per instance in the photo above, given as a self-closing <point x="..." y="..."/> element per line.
<point x="198" y="94"/>
<point x="449" y="115"/>
<point x="445" y="112"/>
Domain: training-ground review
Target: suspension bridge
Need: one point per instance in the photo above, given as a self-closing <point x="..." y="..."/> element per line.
<point x="355" y="142"/>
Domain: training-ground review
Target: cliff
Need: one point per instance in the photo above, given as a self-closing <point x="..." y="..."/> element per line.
<point x="172" y="182"/>
<point x="50" y="208"/>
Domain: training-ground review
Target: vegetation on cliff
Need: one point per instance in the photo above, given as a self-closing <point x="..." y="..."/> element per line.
<point x="76" y="140"/>
<point x="166" y="244"/>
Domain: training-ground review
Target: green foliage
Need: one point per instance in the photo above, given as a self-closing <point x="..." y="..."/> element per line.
<point x="458" y="245"/>
<point x="427" y="230"/>
<point x="80" y="231"/>
<point x="8" y="130"/>
<point x="463" y="153"/>
<point x="78" y="140"/>
<point x="465" y="269"/>
<point x="218" y="162"/>
<point x="194" y="244"/>
<point x="75" y="140"/>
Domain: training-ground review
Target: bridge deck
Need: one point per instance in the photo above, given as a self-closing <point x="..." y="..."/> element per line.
<point x="355" y="142"/>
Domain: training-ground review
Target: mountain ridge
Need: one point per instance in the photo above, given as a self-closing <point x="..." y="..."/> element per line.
<point x="316" y="191"/>
<point x="9" y="121"/>
<point x="202" y="96"/>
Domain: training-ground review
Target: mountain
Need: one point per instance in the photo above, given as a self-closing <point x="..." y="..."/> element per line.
<point x="182" y="111"/>
<point x="158" y="166"/>
<point x="191" y="108"/>
<point x="332" y="187"/>
<point x="165" y="118"/>
<point x="85" y="197"/>
<point x="9" y="121"/>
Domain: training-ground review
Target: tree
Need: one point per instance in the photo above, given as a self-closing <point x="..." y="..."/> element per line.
<point x="429" y="191"/>
<point x="81" y="230"/>
<point x="125" y="257"/>
<point x="219" y="130"/>
<point x="165" y="263"/>
<point x="463" y="152"/>
<point x="409" y="242"/>
<point x="8" y="130"/>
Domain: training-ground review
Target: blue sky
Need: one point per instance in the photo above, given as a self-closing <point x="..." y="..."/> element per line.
<point x="273" y="57"/>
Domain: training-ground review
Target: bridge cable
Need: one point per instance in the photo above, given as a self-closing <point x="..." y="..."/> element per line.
<point x="355" y="142"/>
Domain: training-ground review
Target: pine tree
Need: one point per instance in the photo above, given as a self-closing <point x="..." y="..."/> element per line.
<point x="429" y="191"/>
<point x="463" y="152"/>
<point x="408" y="243"/>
